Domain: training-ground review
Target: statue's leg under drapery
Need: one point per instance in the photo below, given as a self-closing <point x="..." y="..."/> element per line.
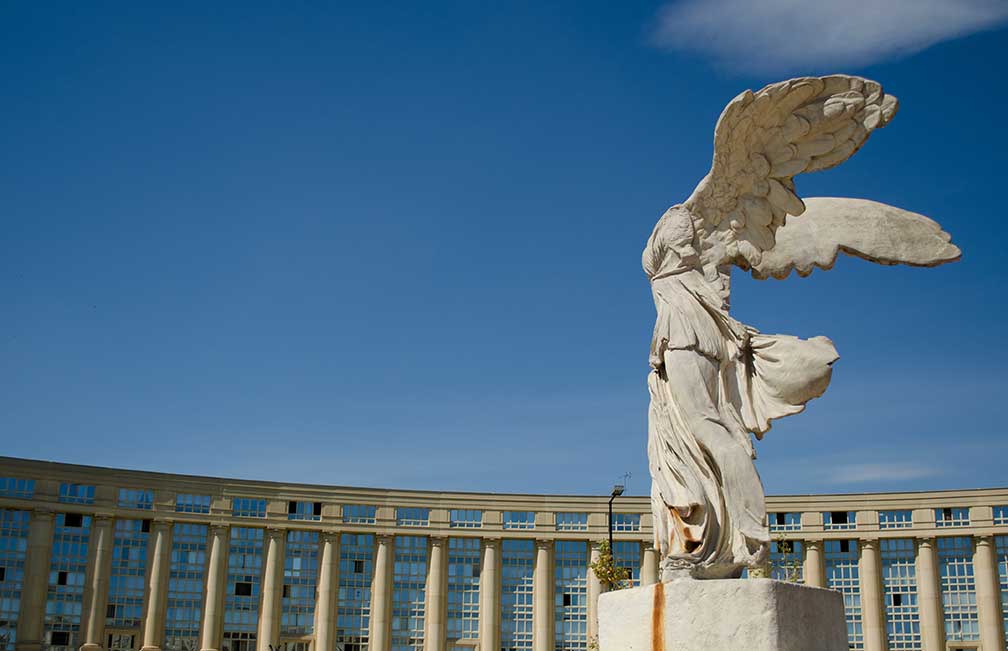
<point x="710" y="488"/>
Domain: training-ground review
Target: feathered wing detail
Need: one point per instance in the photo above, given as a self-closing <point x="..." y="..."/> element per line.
<point x="865" y="229"/>
<point x="761" y="142"/>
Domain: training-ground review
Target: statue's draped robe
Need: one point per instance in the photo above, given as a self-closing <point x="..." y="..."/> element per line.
<point x="715" y="380"/>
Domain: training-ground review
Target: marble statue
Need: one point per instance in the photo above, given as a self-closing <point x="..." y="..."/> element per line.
<point x="715" y="380"/>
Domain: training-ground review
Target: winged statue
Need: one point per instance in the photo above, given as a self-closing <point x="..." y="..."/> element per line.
<point x="714" y="380"/>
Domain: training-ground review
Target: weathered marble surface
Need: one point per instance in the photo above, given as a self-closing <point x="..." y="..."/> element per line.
<point x="716" y="381"/>
<point x="726" y="615"/>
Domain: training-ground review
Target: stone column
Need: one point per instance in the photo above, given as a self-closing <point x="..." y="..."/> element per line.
<point x="649" y="567"/>
<point x="814" y="570"/>
<point x="381" y="595"/>
<point x="97" y="587"/>
<point x="932" y="619"/>
<point x="436" y="616"/>
<point x="268" y="635"/>
<point x="594" y="589"/>
<point x="988" y="594"/>
<point x="325" y="609"/>
<point x="157" y="585"/>
<point x="872" y="611"/>
<point x="490" y="589"/>
<point x="542" y="597"/>
<point x="216" y="579"/>
<point x="36" y="581"/>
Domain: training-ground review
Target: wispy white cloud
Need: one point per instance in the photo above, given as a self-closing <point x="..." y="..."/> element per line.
<point x="817" y="35"/>
<point x="859" y="473"/>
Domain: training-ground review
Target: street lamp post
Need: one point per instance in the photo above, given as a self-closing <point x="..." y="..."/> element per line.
<point x="616" y="492"/>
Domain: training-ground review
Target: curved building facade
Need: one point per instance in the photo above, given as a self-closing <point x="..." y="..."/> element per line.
<point x="95" y="558"/>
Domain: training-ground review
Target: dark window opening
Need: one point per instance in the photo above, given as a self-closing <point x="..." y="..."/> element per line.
<point x="358" y="567"/>
<point x="243" y="589"/>
<point x="59" y="638"/>
<point x="946" y="514"/>
<point x="317" y="508"/>
<point x="286" y="590"/>
<point x="476" y="570"/>
<point x="845" y="546"/>
<point x="291" y="507"/>
<point x="3" y="573"/>
<point x="838" y="517"/>
<point x="110" y="610"/>
<point x="73" y="520"/>
<point x="897" y="599"/>
<point x="61" y="578"/>
<point x="567" y="599"/>
<point x="145" y="526"/>
<point x="779" y="517"/>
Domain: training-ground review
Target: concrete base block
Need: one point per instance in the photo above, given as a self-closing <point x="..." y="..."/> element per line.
<point x="728" y="614"/>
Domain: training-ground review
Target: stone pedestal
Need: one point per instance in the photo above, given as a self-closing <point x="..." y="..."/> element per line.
<point x="729" y="614"/>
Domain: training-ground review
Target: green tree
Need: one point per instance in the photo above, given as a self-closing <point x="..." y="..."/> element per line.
<point x="612" y="576"/>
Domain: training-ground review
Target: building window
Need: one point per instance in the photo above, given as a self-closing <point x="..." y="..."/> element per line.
<point x="126" y="581"/>
<point x="786" y="560"/>
<point x="517" y="566"/>
<point x="955" y="560"/>
<point x="1001" y="548"/>
<point x="895" y="519"/>
<point x="67" y="572"/>
<point x="248" y="507"/>
<point x="465" y="518"/>
<point x="359" y="513"/>
<point x="784" y="522"/>
<point x="135" y="498"/>
<point x="76" y="494"/>
<point x="188" y="503"/>
<point x="519" y="519"/>
<point x="301" y="568"/>
<point x="412" y="517"/>
<point x="841" y="561"/>
<point x="839" y="520"/>
<point x="185" y="587"/>
<point x="954" y="516"/>
<point x="899" y="584"/>
<point x="239" y="641"/>
<point x="353" y="609"/>
<point x="626" y="521"/>
<point x="570" y="570"/>
<point x="408" y="593"/>
<point x="1000" y="515"/>
<point x="18" y="488"/>
<point x="304" y="510"/>
<point x="13" y="550"/>
<point x="627" y="553"/>
<point x="241" y="601"/>
<point x="568" y="521"/>
<point x="463" y="589"/>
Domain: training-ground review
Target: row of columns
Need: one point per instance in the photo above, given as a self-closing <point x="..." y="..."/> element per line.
<point x="929" y="598"/>
<point x="36" y="581"/>
<point x="35" y="587"/>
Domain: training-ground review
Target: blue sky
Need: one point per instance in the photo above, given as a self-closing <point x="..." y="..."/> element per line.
<point x="399" y="245"/>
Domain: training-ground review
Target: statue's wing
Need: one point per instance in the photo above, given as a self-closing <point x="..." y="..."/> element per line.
<point x="865" y="229"/>
<point x="762" y="141"/>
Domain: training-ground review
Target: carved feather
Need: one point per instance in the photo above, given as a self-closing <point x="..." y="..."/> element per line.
<point x="864" y="229"/>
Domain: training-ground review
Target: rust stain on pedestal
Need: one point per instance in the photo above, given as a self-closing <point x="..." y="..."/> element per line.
<point x="658" y="618"/>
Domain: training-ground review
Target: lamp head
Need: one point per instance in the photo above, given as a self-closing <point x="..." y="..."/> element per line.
<point x="617" y="490"/>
